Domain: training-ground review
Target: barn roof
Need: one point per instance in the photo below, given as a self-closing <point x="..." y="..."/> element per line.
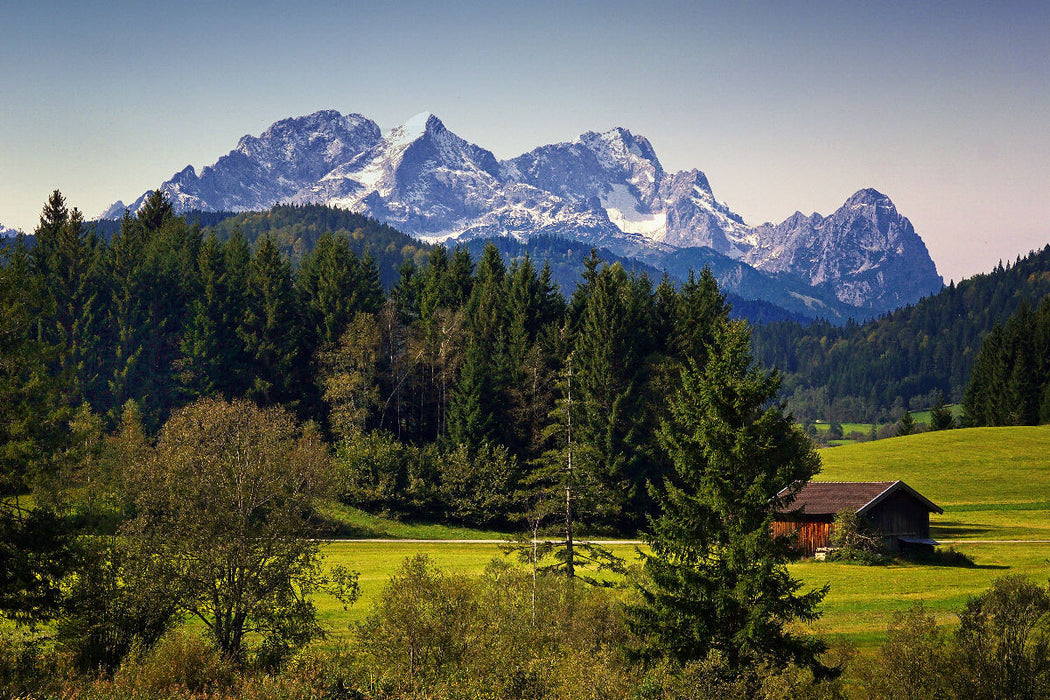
<point x="830" y="497"/>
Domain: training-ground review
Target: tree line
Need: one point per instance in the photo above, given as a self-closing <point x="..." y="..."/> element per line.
<point x="1010" y="383"/>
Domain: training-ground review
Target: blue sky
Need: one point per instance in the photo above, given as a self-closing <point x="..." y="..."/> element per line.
<point x="786" y="106"/>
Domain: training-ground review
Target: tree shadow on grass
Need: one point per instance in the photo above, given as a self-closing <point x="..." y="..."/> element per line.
<point x="955" y="529"/>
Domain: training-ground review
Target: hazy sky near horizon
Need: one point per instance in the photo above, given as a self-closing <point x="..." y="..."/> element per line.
<point x="943" y="106"/>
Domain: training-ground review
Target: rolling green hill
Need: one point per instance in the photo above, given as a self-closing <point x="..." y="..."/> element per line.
<point x="993" y="483"/>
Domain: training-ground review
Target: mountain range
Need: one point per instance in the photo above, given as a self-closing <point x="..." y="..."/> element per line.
<point x="604" y="189"/>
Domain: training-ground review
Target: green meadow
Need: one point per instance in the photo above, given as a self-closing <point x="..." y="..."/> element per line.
<point x="993" y="483"/>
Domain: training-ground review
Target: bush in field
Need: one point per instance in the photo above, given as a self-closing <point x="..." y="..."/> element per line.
<point x="1000" y="650"/>
<point x="914" y="661"/>
<point x="435" y="634"/>
<point x="1003" y="642"/>
<point x="181" y="660"/>
<point x="474" y="487"/>
<point x="856" y="540"/>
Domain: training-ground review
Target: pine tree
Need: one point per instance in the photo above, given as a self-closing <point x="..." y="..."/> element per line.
<point x="941" y="417"/>
<point x="563" y="486"/>
<point x="477" y="408"/>
<point x="65" y="257"/>
<point x="271" y="330"/>
<point x="905" y="424"/>
<point x="611" y="349"/>
<point x="717" y="582"/>
<point x="213" y="354"/>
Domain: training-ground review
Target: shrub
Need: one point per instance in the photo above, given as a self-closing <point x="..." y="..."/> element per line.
<point x="943" y="557"/>
<point x="912" y="662"/>
<point x="180" y="660"/>
<point x="1003" y="642"/>
<point x="856" y="540"/>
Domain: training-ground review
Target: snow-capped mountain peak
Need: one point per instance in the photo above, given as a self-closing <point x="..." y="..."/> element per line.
<point x="604" y="189"/>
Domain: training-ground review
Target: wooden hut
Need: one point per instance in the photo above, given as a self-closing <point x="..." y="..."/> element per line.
<point x="896" y="510"/>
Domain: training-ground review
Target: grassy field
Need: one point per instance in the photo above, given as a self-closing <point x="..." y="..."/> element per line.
<point x="994" y="483"/>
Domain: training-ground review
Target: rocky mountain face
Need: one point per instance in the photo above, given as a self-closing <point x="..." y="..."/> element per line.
<point x="866" y="253"/>
<point x="7" y="232"/>
<point x="261" y="171"/>
<point x="602" y="189"/>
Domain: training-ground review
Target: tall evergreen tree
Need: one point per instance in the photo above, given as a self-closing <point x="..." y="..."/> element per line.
<point x="152" y="269"/>
<point x="65" y="256"/>
<point x="716" y="578"/>
<point x="271" y="328"/>
<point x="477" y="407"/>
<point x="213" y="353"/>
<point x="611" y="347"/>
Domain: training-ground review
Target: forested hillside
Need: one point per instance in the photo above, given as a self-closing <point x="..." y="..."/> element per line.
<point x="904" y="359"/>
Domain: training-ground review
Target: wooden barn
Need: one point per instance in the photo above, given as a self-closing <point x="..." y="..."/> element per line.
<point x="897" y="510"/>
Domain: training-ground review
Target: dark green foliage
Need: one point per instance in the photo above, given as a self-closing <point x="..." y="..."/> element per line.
<point x="906" y="358"/>
<point x="66" y="259"/>
<point x="114" y="605"/>
<point x="1001" y="649"/>
<point x="612" y="346"/>
<point x="153" y="278"/>
<point x="272" y="328"/>
<point x="31" y="411"/>
<point x="477" y="405"/>
<point x="941" y="417"/>
<point x="35" y="554"/>
<point x="1004" y="642"/>
<point x="296" y="230"/>
<point x="716" y="578"/>
<point x="1010" y="384"/>
<point x="214" y="357"/>
<point x="906" y="424"/>
<point x="475" y="487"/>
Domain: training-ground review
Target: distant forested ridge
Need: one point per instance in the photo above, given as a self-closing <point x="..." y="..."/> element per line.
<point x="904" y="359"/>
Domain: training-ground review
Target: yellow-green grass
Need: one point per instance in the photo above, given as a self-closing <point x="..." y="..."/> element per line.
<point x="862" y="600"/>
<point x="378" y="561"/>
<point x="993" y="483"/>
<point x="859" y="606"/>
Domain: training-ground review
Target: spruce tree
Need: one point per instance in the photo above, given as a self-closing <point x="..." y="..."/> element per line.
<point x="271" y="328"/>
<point x="716" y="581"/>
<point x="941" y="417"/>
<point x="905" y="424"/>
